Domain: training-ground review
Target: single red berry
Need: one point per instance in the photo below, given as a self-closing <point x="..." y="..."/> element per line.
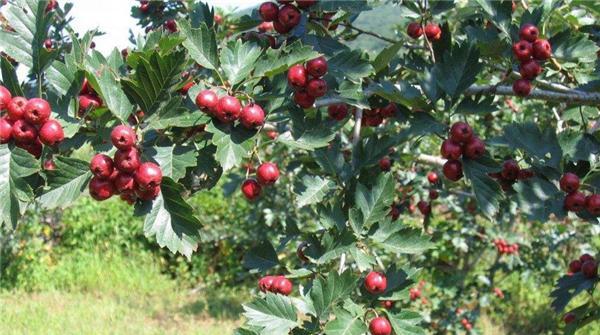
<point x="522" y="87"/>
<point x="337" y="111"/>
<point x="228" y="109"/>
<point x="37" y="111"/>
<point x="171" y="25"/>
<point x="124" y="183"/>
<point x="530" y="69"/>
<point x="387" y="304"/>
<point x="101" y="189"/>
<point x="589" y="269"/>
<point x="124" y="53"/>
<point x="424" y="207"/>
<point x="51" y="133"/>
<point x="282" y="285"/>
<point x="5" y="97"/>
<point x="394" y="212"/>
<point x="523" y="50"/>
<point x="102" y="166"/>
<point x="86" y="88"/>
<point x="529" y="32"/>
<point x="5" y="131"/>
<point x="592" y="204"/>
<point x="375" y="282"/>
<point x="453" y="170"/>
<point x="385" y="164"/>
<point x="123" y="137"/>
<point x="414" y="30"/>
<point x="16" y="108"/>
<point x="317" y="67"/>
<point x="303" y="99"/>
<point x="265" y="27"/>
<point x="127" y="160"/>
<point x="48" y="43"/>
<point x="474" y="148"/>
<point x="149" y="194"/>
<point x="184" y="90"/>
<point x="433" y="31"/>
<point x="388" y="110"/>
<point x="218" y="19"/>
<point x="575" y="266"/>
<point x="289" y="16"/>
<point x="268" y="11"/>
<point x="49" y="165"/>
<point x="34" y="148"/>
<point x="267" y="173"/>
<point x="265" y="284"/>
<point x="23" y="132"/>
<point x="542" y="49"/>
<point x="569" y="182"/>
<point x="251" y="189"/>
<point x="305" y="3"/>
<point x="51" y="5"/>
<point x="569" y="318"/>
<point x="432" y="177"/>
<point x="461" y="132"/>
<point x="380" y="326"/>
<point x="373" y="120"/>
<point x="207" y="101"/>
<point x="433" y="194"/>
<point x="148" y="176"/>
<point x="575" y="202"/>
<point x="297" y="76"/>
<point x="510" y="170"/>
<point x="585" y="257"/>
<point x="450" y="149"/>
<point x="252" y="116"/>
<point x="88" y="102"/>
<point x="280" y="27"/>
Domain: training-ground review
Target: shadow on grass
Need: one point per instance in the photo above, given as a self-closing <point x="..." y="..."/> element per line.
<point x="218" y="304"/>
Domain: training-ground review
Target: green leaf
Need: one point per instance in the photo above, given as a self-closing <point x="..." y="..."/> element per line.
<point x="66" y="183"/>
<point x="398" y="239"/>
<point x="386" y="55"/>
<point x="201" y="44"/>
<point x="573" y="47"/>
<point x="349" y="64"/>
<point x="345" y="324"/>
<point x="233" y="143"/>
<point x="578" y="146"/>
<point x="326" y="292"/>
<point x="275" y="314"/>
<point x="374" y="204"/>
<point x="499" y="12"/>
<point x="475" y="105"/>
<point x="542" y="146"/>
<point x="174" y="114"/>
<point x="312" y="190"/>
<point x="106" y="82"/>
<point x="276" y="61"/>
<point x="405" y="323"/>
<point x="9" y="78"/>
<point x="401" y="92"/>
<point x="173" y="160"/>
<point x="487" y="191"/>
<point x="568" y="287"/>
<point x="309" y="133"/>
<point x="261" y="257"/>
<point x="171" y="220"/>
<point x="334" y="245"/>
<point x="538" y="198"/>
<point x="331" y="160"/>
<point x="15" y="193"/>
<point x="238" y="59"/>
<point x="458" y="69"/>
<point x="331" y="215"/>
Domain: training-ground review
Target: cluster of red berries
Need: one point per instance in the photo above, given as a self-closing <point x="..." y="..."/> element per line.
<point x="433" y="32"/>
<point x="504" y="247"/>
<point x="266" y="175"/>
<point x="28" y="123"/>
<point x="88" y="98"/>
<point x="586" y="264"/>
<point x="461" y="141"/>
<point x="511" y="172"/>
<point x="126" y="174"/>
<point x="275" y="284"/>
<point x="577" y="201"/>
<point x="228" y="109"/>
<point x="432" y="178"/>
<point x="414" y="293"/>
<point x="375" y="116"/>
<point x="307" y="81"/>
<point x="529" y="50"/>
<point x="466" y="324"/>
<point x="284" y="17"/>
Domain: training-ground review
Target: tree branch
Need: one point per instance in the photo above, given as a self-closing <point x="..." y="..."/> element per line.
<point x="570" y="96"/>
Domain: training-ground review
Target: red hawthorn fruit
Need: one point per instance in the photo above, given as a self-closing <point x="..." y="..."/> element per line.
<point x="127" y="160"/>
<point x="569" y="182"/>
<point x="522" y="50"/>
<point x="305" y="3"/>
<point x="433" y="31"/>
<point x="128" y="197"/>
<point x="510" y="170"/>
<point x="525" y="174"/>
<point x="530" y="69"/>
<point x="529" y="32"/>
<point x="280" y="27"/>
<point x="267" y="173"/>
<point x="433" y="194"/>
<point x="87" y="101"/>
<point x="337" y="112"/>
<point x="283" y="285"/>
<point x="297" y="76"/>
<point x="218" y="19"/>
<point x="184" y="90"/>
<point x="265" y="284"/>
<point x="51" y="133"/>
<point x="48" y="43"/>
<point x="575" y="202"/>
<point x="475" y="148"/>
<point x="23" y="132"/>
<point x="387" y="304"/>
<point x="522" y="87"/>
<point x="385" y="164"/>
<point x="542" y="49"/>
<point x="316" y="88"/>
<point x="424" y="207"/>
<point x="171" y="25"/>
<point x="569" y="318"/>
<point x="34" y="148"/>
<point x="303" y="99"/>
<point x="432" y="177"/>
<point x="16" y="108"/>
<point x="461" y="132"/>
<point x="265" y="27"/>
<point x="228" y="109"/>
<point x="375" y="282"/>
<point x="389" y="110"/>
<point x="5" y="97"/>
<point x="124" y="183"/>
<point x="498" y="292"/>
<point x="289" y="16"/>
<point x="123" y="137"/>
<point x="372" y="120"/>
<point x="575" y="266"/>
<point x="101" y="189"/>
<point x="453" y="170"/>
<point x="5" y="131"/>
<point x="49" y="165"/>
<point x="86" y="88"/>
<point x="380" y="326"/>
<point x="37" y="111"/>
<point x="272" y="134"/>
<point x="317" y="67"/>
<point x="101" y="166"/>
<point x="585" y="257"/>
<point x="268" y="11"/>
<point x="394" y="212"/>
<point x="251" y="189"/>
<point x="589" y="269"/>
<point x="252" y="116"/>
<point x="414" y="30"/>
<point x="592" y="204"/>
<point x="450" y="149"/>
<point x="148" y="176"/>
<point x="124" y="53"/>
<point x="207" y="101"/>
<point x="149" y="194"/>
<point x="51" y="5"/>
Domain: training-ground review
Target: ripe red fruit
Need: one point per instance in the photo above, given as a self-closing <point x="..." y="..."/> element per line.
<point x="37" y="111"/>
<point x="522" y="50"/>
<point x="373" y="120"/>
<point x="184" y="90"/>
<point x="510" y="170"/>
<point x="592" y="204"/>
<point x="88" y="102"/>
<point x="267" y="173"/>
<point x="380" y="326"/>
<point x="433" y="31"/>
<point x="530" y="69"/>
<point x="49" y="165"/>
<point x="124" y="183"/>
<point x="265" y="27"/>
<point x="305" y="3"/>
<point x="289" y="16"/>
<point x="101" y="189"/>
<point x="149" y="194"/>
<point x="575" y="266"/>
<point x="375" y="282"/>
<point x="48" y="43"/>
<point x="51" y="133"/>
<point x="522" y="87"/>
<point x="268" y="11"/>
<point x="385" y="164"/>
<point x="251" y="189"/>
<point x="569" y="182"/>
<point x="585" y="257"/>
<point x="51" y="5"/>
<point x="123" y="137"/>
<point x="282" y="285"/>
<point x="16" y="108"/>
<point x="127" y="160"/>
<point x="228" y="109"/>
<point x="569" y="317"/>
<point x="171" y="25"/>
<point x="450" y="149"/>
<point x="280" y="27"/>
<point x="414" y="30"/>
<point x="266" y="283"/>
<point x="432" y="177"/>
<point x="394" y="212"/>
<point x="5" y="131"/>
<point x="461" y="132"/>
<point x="218" y="19"/>
<point x="317" y="67"/>
<point x="475" y="148"/>
<point x="389" y="110"/>
<point x="589" y="269"/>
<point x="387" y="304"/>
<point x="148" y="176"/>
<point x="337" y="111"/>
<point x="86" y="88"/>
<point x="207" y="100"/>
<point x="5" y="97"/>
<point x="303" y="99"/>
<point x="424" y="207"/>
<point x="252" y="116"/>
<point x="529" y="32"/>
<point x="453" y="170"/>
<point x="542" y="49"/>
<point x="297" y="76"/>
<point x="23" y="132"/>
<point x="433" y="194"/>
<point x="575" y="202"/>
<point x="101" y="166"/>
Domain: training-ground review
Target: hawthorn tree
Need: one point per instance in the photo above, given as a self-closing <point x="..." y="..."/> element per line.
<point x="485" y="109"/>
